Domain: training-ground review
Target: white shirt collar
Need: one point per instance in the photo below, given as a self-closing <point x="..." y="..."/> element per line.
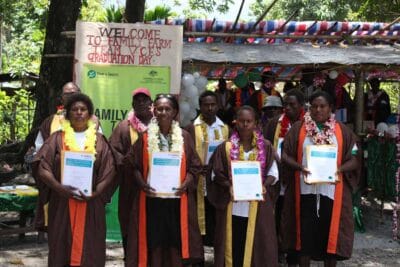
<point x="217" y="122"/>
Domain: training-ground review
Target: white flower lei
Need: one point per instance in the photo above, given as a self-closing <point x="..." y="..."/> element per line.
<point x="154" y="137"/>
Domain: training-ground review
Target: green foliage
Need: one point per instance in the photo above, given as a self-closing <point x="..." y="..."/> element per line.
<point x="114" y="14"/>
<point x="363" y="10"/>
<point x="372" y="10"/>
<point x="306" y="9"/>
<point x="93" y="10"/>
<point x="15" y="111"/>
<point x="23" y="26"/>
<point x="393" y="90"/>
<point x="221" y="6"/>
<point x="159" y="12"/>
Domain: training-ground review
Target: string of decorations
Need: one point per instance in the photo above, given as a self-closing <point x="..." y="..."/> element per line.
<point x="397" y="199"/>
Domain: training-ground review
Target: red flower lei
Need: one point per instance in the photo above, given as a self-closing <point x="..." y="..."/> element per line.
<point x="323" y="136"/>
<point x="286" y="122"/>
<point x="136" y="123"/>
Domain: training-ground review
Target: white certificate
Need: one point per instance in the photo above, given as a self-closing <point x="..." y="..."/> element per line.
<point x="246" y="180"/>
<point x="322" y="163"/>
<point x="280" y="147"/>
<point x="209" y="149"/>
<point x="77" y="170"/>
<point x="165" y="173"/>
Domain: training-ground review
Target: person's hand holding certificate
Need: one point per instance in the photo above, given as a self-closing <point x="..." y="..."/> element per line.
<point x="322" y="164"/>
<point x="77" y="171"/>
<point x="165" y="173"/>
<point x="246" y="180"/>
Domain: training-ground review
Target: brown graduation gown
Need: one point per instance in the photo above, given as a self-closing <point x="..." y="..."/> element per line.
<point x="44" y="192"/>
<point x="59" y="228"/>
<point x="120" y="141"/>
<point x="134" y="160"/>
<point x="346" y="223"/>
<point x="265" y="247"/>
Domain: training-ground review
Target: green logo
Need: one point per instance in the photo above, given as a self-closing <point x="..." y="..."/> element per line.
<point x="330" y="177"/>
<point x="91" y="73"/>
<point x="153" y="73"/>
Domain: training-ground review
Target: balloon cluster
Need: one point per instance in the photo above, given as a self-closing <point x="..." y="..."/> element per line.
<point x="192" y="85"/>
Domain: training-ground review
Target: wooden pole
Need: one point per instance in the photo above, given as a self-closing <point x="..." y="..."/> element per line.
<point x="238" y="16"/>
<point x="289" y="19"/>
<point x="387" y="27"/>
<point x="359" y="99"/>
<point x="263" y="15"/>
<point x="288" y="36"/>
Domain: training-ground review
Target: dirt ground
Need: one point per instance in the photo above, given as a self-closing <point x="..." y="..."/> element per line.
<point x="375" y="247"/>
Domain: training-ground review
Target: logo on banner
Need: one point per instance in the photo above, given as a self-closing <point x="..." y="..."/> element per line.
<point x="153" y="73"/>
<point x="91" y="74"/>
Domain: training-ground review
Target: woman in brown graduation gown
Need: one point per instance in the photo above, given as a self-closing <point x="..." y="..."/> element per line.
<point x="317" y="219"/>
<point x="245" y="232"/>
<point x="164" y="231"/>
<point x="77" y="223"/>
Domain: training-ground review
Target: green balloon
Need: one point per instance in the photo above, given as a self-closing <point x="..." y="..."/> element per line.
<point x="254" y="75"/>
<point x="241" y="80"/>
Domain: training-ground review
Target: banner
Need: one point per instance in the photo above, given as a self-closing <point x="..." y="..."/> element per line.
<point x="111" y="60"/>
<point x="110" y="88"/>
<point x="129" y="44"/>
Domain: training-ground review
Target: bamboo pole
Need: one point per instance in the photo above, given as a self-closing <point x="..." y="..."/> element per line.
<point x="359" y="98"/>
<point x="263" y="15"/>
<point x="71" y="34"/>
<point x="238" y="15"/>
<point x="288" y="36"/>
<point x="387" y="27"/>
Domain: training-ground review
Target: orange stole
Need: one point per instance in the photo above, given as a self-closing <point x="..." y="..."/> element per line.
<point x="337" y="202"/>
<point x="77" y="218"/>
<point x="184" y="216"/>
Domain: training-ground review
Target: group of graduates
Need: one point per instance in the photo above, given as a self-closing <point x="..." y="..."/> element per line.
<point x="302" y="221"/>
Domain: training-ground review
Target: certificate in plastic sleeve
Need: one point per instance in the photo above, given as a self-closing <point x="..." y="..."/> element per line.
<point x="165" y="173"/>
<point x="322" y="163"/>
<point x="246" y="180"/>
<point x="77" y="170"/>
<point x="209" y="149"/>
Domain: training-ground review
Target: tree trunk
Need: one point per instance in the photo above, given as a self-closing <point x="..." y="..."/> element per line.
<point x="55" y="71"/>
<point x="134" y="10"/>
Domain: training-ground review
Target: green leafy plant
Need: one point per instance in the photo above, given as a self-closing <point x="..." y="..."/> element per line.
<point x="16" y="115"/>
<point x="159" y="12"/>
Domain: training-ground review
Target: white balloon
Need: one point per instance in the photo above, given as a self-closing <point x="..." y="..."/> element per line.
<point x="382" y="127"/>
<point x="393" y="130"/>
<point x="194" y="102"/>
<point x="201" y="83"/>
<point x="192" y="113"/>
<point x="184" y="121"/>
<point x="201" y="90"/>
<point x="187" y="80"/>
<point x="333" y="74"/>
<point x="191" y="92"/>
<point x="184" y="108"/>
<point x="196" y="75"/>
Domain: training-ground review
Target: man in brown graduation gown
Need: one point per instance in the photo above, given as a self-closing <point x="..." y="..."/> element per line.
<point x="265" y="247"/>
<point x="134" y="160"/>
<point x="342" y="244"/>
<point x="275" y="131"/>
<point x="122" y="138"/>
<point x="59" y="227"/>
